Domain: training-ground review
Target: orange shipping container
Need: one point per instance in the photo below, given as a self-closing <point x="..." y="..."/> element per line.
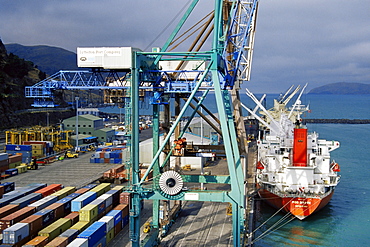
<point x="34" y="223"/>
<point x="124" y="208"/>
<point x="58" y="209"/>
<point x="74" y="217"/>
<point x="125" y="198"/>
<point x="38" y="241"/>
<point x="15" y="217"/>
<point x="8" y="209"/>
<point x="82" y="190"/>
<point x="58" y="242"/>
<point x="50" y="189"/>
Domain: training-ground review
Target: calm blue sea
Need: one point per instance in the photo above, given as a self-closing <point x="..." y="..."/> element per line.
<point x="345" y="221"/>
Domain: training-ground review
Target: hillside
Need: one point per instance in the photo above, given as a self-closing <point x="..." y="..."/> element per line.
<point x="342" y="88"/>
<point x="46" y="58"/>
<point x="15" y="74"/>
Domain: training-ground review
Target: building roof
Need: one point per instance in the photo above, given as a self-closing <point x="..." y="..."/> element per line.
<point x="105" y="129"/>
<point x="86" y="117"/>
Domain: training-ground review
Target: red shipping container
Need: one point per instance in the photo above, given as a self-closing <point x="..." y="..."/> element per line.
<point x="44" y="144"/>
<point x="58" y="209"/>
<point x="125" y="198"/>
<point x="109" y="208"/>
<point x="101" y="154"/>
<point x="117" y="229"/>
<point x="74" y="217"/>
<point x="82" y="190"/>
<point x="34" y="222"/>
<point x="106" y="160"/>
<point x="39" y="241"/>
<point x="58" y="242"/>
<point x="118" y="169"/>
<point x="4" y="165"/>
<point x="8" y="209"/>
<point x="50" y="189"/>
<point x="124" y="208"/>
<point x="15" y="217"/>
<point x="15" y="158"/>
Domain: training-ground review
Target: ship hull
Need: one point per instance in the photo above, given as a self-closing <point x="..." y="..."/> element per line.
<point x="300" y="207"/>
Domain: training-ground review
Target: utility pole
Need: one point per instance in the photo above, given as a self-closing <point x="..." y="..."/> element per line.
<point x="76" y="148"/>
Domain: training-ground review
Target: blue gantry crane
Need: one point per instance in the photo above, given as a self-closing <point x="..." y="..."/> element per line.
<point x="193" y="74"/>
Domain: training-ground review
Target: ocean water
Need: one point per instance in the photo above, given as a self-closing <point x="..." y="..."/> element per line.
<point x="345" y="221"/>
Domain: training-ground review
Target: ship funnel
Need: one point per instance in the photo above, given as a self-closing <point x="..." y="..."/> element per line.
<point x="300" y="147"/>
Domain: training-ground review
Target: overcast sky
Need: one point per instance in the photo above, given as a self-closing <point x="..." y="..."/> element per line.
<point x="297" y="41"/>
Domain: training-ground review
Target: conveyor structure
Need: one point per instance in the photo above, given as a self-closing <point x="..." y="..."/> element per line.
<point x="222" y="70"/>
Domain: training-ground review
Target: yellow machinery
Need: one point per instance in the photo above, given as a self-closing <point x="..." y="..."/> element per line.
<point x="60" y="138"/>
<point x="69" y="154"/>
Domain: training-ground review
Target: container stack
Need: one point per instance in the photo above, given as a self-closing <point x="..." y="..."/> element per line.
<point x="4" y="163"/>
<point x="112" y="155"/>
<point x="25" y="150"/>
<point x="51" y="221"/>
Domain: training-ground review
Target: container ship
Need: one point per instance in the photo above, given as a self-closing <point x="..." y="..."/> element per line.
<point x="295" y="173"/>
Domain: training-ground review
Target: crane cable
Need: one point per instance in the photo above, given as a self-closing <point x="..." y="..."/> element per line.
<point x="271" y="216"/>
<point x="268" y="231"/>
<point x="168" y="25"/>
<point x="187" y="31"/>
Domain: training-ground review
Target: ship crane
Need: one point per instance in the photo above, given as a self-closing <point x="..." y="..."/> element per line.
<point x="221" y="69"/>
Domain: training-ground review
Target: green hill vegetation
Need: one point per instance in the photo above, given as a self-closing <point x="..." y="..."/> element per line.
<point x="342" y="88"/>
<point x="46" y="58"/>
<point x="15" y="74"/>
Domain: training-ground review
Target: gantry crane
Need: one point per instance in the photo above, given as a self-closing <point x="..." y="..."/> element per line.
<point x="222" y="69"/>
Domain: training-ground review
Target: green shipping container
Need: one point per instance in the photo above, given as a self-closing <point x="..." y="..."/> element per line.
<point x="101" y="188"/>
<point x="55" y="229"/>
<point x="110" y="235"/>
<point x="64" y="192"/>
<point x="118" y="187"/>
<point x="89" y="213"/>
<point x="81" y="225"/>
<point x="21" y="168"/>
<point x="15" y="164"/>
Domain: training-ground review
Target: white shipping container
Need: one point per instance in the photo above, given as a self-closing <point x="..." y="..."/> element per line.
<point x="15" y="233"/>
<point x="109" y="220"/>
<point x="3" y="156"/>
<point x="195" y="162"/>
<point x="108" y="199"/>
<point x="44" y="202"/>
<point x="105" y="57"/>
<point x="79" y="242"/>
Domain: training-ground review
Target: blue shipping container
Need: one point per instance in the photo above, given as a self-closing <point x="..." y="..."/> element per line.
<point x="94" y="233"/>
<point x="26" y="200"/>
<point x="125" y="220"/>
<point x="101" y="243"/>
<point x="12" y="147"/>
<point x="67" y="201"/>
<point x="47" y="216"/>
<point x="101" y="205"/>
<point x="7" y="200"/>
<point x="15" y="233"/>
<point x="83" y="200"/>
<point x="8" y="186"/>
<point x="117" y="214"/>
<point x="90" y="186"/>
<point x="11" y="172"/>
